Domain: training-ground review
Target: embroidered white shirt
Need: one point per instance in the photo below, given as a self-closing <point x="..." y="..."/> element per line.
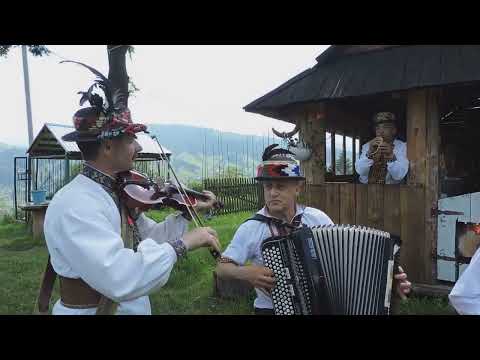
<point x="246" y="243"/>
<point x="83" y="235"/>
<point x="465" y="295"/>
<point x="396" y="170"/>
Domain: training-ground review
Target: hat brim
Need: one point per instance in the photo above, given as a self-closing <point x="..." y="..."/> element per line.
<point x="76" y="136"/>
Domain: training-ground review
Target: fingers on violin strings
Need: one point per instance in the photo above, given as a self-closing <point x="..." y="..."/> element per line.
<point x="211" y="231"/>
<point x="215" y="243"/>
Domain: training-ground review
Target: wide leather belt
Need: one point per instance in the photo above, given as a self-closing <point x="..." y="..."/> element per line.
<point x="77" y="294"/>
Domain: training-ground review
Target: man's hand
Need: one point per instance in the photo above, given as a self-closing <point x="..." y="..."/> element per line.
<point x="259" y="277"/>
<point x="202" y="237"/>
<point x="403" y="286"/>
<point x="204" y="206"/>
<point x="373" y="150"/>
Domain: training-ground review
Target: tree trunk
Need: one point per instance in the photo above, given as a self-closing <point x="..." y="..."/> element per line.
<point x="117" y="73"/>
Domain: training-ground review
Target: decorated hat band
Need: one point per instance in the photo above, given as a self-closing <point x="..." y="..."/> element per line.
<point x="278" y="170"/>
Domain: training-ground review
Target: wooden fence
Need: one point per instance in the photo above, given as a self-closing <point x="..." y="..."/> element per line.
<point x="238" y="194"/>
<point x="398" y="209"/>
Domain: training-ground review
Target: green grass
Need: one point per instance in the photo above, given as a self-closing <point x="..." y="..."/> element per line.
<point x="189" y="290"/>
<point x="426" y="306"/>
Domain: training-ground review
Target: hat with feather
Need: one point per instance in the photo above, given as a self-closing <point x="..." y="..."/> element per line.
<point x="107" y="117"/>
<point x="278" y="164"/>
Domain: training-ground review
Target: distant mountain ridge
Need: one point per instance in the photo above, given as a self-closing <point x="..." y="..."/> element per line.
<point x="197" y="152"/>
<point x="193" y="149"/>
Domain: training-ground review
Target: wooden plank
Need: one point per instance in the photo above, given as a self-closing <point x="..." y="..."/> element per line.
<point x="230" y="288"/>
<point x="361" y="206"/>
<point x="391" y="208"/>
<point x="412" y="201"/>
<point x="416" y="135"/>
<point x="332" y="198"/>
<point x="312" y="132"/>
<point x="431" y="290"/>
<point x="316" y="197"/>
<point x="347" y="204"/>
<point x="375" y="206"/>
<point x="332" y="149"/>
<point x="431" y="184"/>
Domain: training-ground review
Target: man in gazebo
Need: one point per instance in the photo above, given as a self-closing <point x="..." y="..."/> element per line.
<point x="383" y="160"/>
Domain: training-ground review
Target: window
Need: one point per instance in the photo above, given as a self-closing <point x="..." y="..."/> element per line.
<point x="345" y="150"/>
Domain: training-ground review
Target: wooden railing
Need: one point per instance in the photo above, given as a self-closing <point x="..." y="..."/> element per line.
<point x="398" y="209"/>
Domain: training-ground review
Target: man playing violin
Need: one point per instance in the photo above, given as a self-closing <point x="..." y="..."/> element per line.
<point x="109" y="258"/>
<point x="282" y="181"/>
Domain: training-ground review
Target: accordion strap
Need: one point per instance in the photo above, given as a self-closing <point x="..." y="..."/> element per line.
<point x="283" y="228"/>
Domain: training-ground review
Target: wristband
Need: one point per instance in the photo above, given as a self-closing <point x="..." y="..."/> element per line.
<point x="179" y="247"/>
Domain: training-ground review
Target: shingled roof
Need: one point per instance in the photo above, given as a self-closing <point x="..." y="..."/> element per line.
<point x="357" y="70"/>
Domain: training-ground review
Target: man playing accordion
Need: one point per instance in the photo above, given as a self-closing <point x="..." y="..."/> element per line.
<point x="282" y="181"/>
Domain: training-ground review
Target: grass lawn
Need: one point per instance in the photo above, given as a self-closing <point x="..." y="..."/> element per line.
<point x="189" y="290"/>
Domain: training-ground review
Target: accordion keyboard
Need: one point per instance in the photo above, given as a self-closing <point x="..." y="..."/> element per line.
<point x="290" y="280"/>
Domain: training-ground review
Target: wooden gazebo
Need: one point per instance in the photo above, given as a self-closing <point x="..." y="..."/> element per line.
<point x="433" y="91"/>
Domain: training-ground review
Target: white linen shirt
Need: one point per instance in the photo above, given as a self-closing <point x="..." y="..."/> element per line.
<point x="83" y="235"/>
<point x="465" y="295"/>
<point x="246" y="243"/>
<point x="396" y="170"/>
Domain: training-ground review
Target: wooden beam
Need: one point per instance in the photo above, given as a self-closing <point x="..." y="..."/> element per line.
<point x="347" y="203"/>
<point x="416" y="135"/>
<point x="431" y="182"/>
<point x="312" y="132"/>
<point x="332" y="151"/>
<point x="431" y="290"/>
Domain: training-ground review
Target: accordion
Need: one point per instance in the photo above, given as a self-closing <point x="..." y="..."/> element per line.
<point x="332" y="269"/>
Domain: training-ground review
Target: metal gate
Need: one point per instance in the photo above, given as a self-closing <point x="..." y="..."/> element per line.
<point x="21" y="186"/>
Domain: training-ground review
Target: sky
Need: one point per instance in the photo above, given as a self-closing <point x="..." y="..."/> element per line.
<point x="199" y="85"/>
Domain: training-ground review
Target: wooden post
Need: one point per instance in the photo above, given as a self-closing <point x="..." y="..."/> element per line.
<point x="422" y="152"/>
<point x="416" y="135"/>
<point x="312" y="132"/>
<point x="431" y="183"/>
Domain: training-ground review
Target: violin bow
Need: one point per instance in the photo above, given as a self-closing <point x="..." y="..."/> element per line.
<point x="191" y="210"/>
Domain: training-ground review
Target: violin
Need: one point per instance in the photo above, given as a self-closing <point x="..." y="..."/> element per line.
<point x="139" y="192"/>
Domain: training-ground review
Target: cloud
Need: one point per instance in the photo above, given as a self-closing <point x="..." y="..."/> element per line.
<point x="198" y="85"/>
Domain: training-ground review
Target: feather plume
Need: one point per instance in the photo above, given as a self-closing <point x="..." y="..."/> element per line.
<point x="270" y="151"/>
<point x="113" y="100"/>
<point x="266" y="152"/>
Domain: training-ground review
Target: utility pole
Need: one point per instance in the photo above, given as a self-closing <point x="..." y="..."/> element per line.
<point x="27" y="94"/>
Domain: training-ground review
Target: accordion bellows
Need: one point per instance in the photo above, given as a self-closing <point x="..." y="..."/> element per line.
<point x="332" y="269"/>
